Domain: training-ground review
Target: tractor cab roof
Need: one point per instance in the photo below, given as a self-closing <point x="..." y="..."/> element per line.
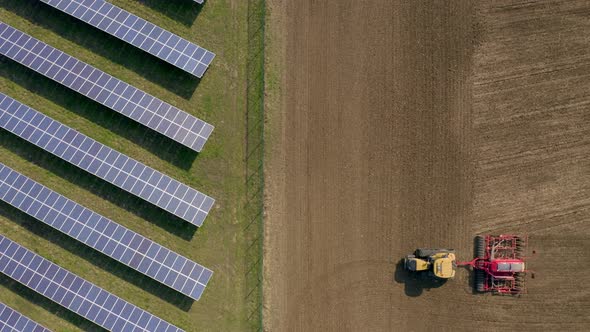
<point x="445" y="266"/>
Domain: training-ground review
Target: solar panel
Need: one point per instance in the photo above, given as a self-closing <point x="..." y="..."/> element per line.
<point x="12" y="320"/>
<point x="104" y="162"/>
<point x="74" y="293"/>
<point x="103" y="88"/>
<point x="138" y="32"/>
<point x="200" y="2"/>
<point x="102" y="234"/>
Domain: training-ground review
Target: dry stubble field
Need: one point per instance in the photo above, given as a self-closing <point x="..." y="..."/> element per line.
<point x="401" y="125"/>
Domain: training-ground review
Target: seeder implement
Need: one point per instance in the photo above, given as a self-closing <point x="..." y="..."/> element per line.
<point x="499" y="265"/>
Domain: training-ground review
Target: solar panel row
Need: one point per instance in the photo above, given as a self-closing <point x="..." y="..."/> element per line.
<point x="12" y="320"/>
<point x="138" y="32"/>
<point x="104" y="162"/>
<point x="102" y="234"/>
<point x="84" y="225"/>
<point x="103" y="88"/>
<point x="74" y="293"/>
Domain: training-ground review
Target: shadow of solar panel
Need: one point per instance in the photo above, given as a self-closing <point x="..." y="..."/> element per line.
<point x="13" y="321"/>
<point x="74" y="293"/>
<point x="104" y="162"/>
<point x="103" y="234"/>
<point x="103" y="88"/>
<point x="138" y="32"/>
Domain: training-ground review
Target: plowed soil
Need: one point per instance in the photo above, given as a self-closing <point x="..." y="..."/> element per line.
<point x="409" y="124"/>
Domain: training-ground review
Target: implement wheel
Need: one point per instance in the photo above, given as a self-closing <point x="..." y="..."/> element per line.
<point x="519" y="252"/>
<point x="519" y="247"/>
<point x="480" y="247"/>
<point x="479" y="280"/>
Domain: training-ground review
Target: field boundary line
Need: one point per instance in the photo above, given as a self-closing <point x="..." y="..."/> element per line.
<point x="255" y="144"/>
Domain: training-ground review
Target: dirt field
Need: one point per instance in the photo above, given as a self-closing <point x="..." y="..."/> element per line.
<point x="401" y="125"/>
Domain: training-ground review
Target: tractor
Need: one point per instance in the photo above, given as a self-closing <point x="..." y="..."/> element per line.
<point x="438" y="264"/>
<point x="498" y="267"/>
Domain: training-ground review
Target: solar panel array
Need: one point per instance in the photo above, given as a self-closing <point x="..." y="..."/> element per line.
<point x="104" y="162"/>
<point x="138" y="32"/>
<point x="102" y="234"/>
<point x="75" y="293"/>
<point x="103" y="88"/>
<point x="12" y="320"/>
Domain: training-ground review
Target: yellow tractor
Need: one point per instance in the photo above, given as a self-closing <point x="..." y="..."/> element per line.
<point x="438" y="264"/>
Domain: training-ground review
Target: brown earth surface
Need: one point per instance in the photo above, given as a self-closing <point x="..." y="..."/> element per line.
<point x="408" y="124"/>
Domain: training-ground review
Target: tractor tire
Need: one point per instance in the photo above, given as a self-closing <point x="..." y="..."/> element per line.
<point x="479" y="281"/>
<point x="480" y="245"/>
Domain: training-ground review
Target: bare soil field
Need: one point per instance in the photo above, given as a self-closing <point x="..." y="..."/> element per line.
<point x="400" y="125"/>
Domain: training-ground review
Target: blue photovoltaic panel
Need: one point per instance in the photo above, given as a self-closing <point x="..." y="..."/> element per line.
<point x="103" y="88"/>
<point x="13" y="321"/>
<point x="74" y="293"/>
<point x="104" y="162"/>
<point x="138" y="32"/>
<point x="102" y="234"/>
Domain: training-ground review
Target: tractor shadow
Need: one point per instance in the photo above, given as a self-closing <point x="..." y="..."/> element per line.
<point x="414" y="284"/>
